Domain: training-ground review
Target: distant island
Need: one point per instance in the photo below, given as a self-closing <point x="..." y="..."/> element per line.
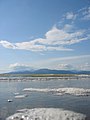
<point x="45" y="73"/>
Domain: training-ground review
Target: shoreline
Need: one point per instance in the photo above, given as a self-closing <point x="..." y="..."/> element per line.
<point x="42" y="77"/>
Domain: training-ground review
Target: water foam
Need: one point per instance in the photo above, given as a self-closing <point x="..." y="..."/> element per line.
<point x="62" y="91"/>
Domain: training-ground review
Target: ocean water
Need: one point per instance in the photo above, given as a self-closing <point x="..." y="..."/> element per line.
<point x="79" y="104"/>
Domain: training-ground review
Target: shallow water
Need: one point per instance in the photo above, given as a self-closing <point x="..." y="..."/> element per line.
<point x="79" y="104"/>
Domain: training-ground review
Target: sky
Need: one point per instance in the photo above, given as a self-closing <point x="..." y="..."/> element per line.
<point x="52" y="34"/>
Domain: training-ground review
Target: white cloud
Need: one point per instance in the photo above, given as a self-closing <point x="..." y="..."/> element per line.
<point x="58" y="39"/>
<point x="65" y="67"/>
<point x="70" y="16"/>
<point x="30" y="46"/>
<point x="18" y="67"/>
<point x="59" y="49"/>
<point x="55" y="39"/>
<point x="68" y="27"/>
<point x="6" y="44"/>
<point x="83" y="14"/>
<point x="86" y="14"/>
<point x="15" y="65"/>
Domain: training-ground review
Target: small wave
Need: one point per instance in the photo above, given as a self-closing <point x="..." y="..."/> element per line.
<point x="62" y="91"/>
<point x="46" y="114"/>
<point x="21" y="96"/>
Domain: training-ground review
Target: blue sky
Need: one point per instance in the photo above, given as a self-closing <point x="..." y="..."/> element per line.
<point x="51" y="34"/>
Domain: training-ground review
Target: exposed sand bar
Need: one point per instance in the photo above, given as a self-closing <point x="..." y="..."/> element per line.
<point x="46" y="114"/>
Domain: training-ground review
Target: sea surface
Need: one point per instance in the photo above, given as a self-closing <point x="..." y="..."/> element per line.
<point x="8" y="88"/>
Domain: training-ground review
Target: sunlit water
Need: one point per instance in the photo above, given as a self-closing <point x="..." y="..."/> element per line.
<point x="79" y="104"/>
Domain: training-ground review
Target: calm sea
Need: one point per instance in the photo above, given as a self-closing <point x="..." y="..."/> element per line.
<point x="79" y="104"/>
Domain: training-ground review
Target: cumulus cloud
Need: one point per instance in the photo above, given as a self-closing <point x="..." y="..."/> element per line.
<point x="68" y="27"/>
<point x="65" y="67"/>
<point x="70" y="15"/>
<point x="83" y="14"/>
<point x="56" y="38"/>
<point x="18" y="67"/>
<point x="6" y="44"/>
<point x="61" y="37"/>
<point x="31" y="45"/>
<point x="86" y="14"/>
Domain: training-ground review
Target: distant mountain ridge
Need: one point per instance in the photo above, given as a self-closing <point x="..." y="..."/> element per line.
<point x="49" y="71"/>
